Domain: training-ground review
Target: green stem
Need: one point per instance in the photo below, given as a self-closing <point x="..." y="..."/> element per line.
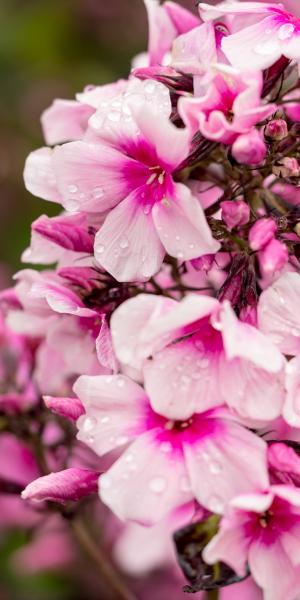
<point x="98" y="556"/>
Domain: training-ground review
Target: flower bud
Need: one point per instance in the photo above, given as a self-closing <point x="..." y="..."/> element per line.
<point x="235" y="213"/>
<point x="69" y="408"/>
<point x="276" y="130"/>
<point x="262" y="233"/>
<point x="71" y="484"/>
<point x="249" y="148"/>
<point x="273" y="257"/>
<point x="203" y="263"/>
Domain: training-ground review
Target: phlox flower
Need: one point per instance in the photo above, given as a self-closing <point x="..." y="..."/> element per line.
<point x="195" y="355"/>
<point x="165" y="463"/>
<point x="231" y="105"/>
<point x="125" y="166"/>
<point x="262" y="530"/>
<point x="276" y="33"/>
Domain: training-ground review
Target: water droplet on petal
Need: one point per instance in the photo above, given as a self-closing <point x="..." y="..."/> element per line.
<point x="105" y="482"/>
<point x="99" y="249"/>
<point x="147" y="209"/>
<point x="129" y="458"/>
<point x="72" y="189"/>
<point x="150" y="87"/>
<point x="121" y="382"/>
<point x="166" y="447"/>
<point x="98" y="192"/>
<point x="124" y="243"/>
<point x="120" y="441"/>
<point x="215" y="468"/>
<point x="105" y="420"/>
<point x="286" y="31"/>
<point x="216" y="504"/>
<point x="72" y="205"/>
<point x="114" y="116"/>
<point x="157" y="485"/>
<point x="185" y="485"/>
<point x="89" y="424"/>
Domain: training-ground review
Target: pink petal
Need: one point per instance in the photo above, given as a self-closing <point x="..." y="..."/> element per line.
<point x="145" y="483"/>
<point x="182" y="226"/>
<point x="65" y="121"/>
<point x="291" y="410"/>
<point x="260" y="49"/>
<point x="183" y="19"/>
<point x="182" y="380"/>
<point x="245" y="341"/>
<point x="230" y="546"/>
<point x="115" y="411"/>
<point x="246" y="590"/>
<point x="69" y="485"/>
<point x="127" y="245"/>
<point x="132" y="323"/>
<point x="229" y="461"/>
<point x="69" y="408"/>
<point x="61" y="299"/>
<point x="104" y="347"/>
<point x="208" y="12"/>
<point x="89" y="176"/>
<point x="39" y="175"/>
<point x="161" y="31"/>
<point x="278" y="314"/>
<point x="272" y="570"/>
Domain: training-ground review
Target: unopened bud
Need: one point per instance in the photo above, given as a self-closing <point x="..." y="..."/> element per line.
<point x="203" y="263"/>
<point x="235" y="213"/>
<point x="249" y="148"/>
<point x="276" y="130"/>
<point x="262" y="233"/>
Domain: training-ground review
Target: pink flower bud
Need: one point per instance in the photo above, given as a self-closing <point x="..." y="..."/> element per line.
<point x="249" y="148"/>
<point x="262" y="233"/>
<point x="69" y="408"/>
<point x="71" y="484"/>
<point x="203" y="263"/>
<point x="235" y="213"/>
<point x="273" y="257"/>
<point x="276" y="130"/>
<point x="69" y="232"/>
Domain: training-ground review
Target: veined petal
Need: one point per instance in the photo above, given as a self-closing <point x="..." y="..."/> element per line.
<point x="39" y="175"/>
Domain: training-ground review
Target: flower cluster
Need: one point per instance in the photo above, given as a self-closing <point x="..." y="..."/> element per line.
<point x="168" y="329"/>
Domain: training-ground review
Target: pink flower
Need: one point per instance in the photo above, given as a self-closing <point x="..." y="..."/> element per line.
<point x="195" y="355"/>
<point x="263" y="530"/>
<point x="126" y="168"/>
<point x="230" y="107"/>
<point x="166" y="462"/>
<point x="276" y="33"/>
<point x="235" y="213"/>
<point x="276" y="130"/>
<point x="278" y="313"/>
<point x="249" y="148"/>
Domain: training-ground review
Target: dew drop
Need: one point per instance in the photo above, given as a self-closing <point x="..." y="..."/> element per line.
<point x="150" y="87"/>
<point x="72" y="189"/>
<point x="216" y="504"/>
<point x="105" y="420"/>
<point x="129" y="458"/>
<point x="105" y="482"/>
<point x="98" y="192"/>
<point x="166" y="447"/>
<point x="89" y="424"/>
<point x="147" y="209"/>
<point x="120" y="382"/>
<point x="157" y="485"/>
<point x="114" y="116"/>
<point x="99" y="249"/>
<point x="295" y="332"/>
<point x="124" y="243"/>
<point x="120" y="441"/>
<point x="180" y="255"/>
<point x="185" y="485"/>
<point x="286" y="31"/>
<point x="215" y="468"/>
<point x="72" y="204"/>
